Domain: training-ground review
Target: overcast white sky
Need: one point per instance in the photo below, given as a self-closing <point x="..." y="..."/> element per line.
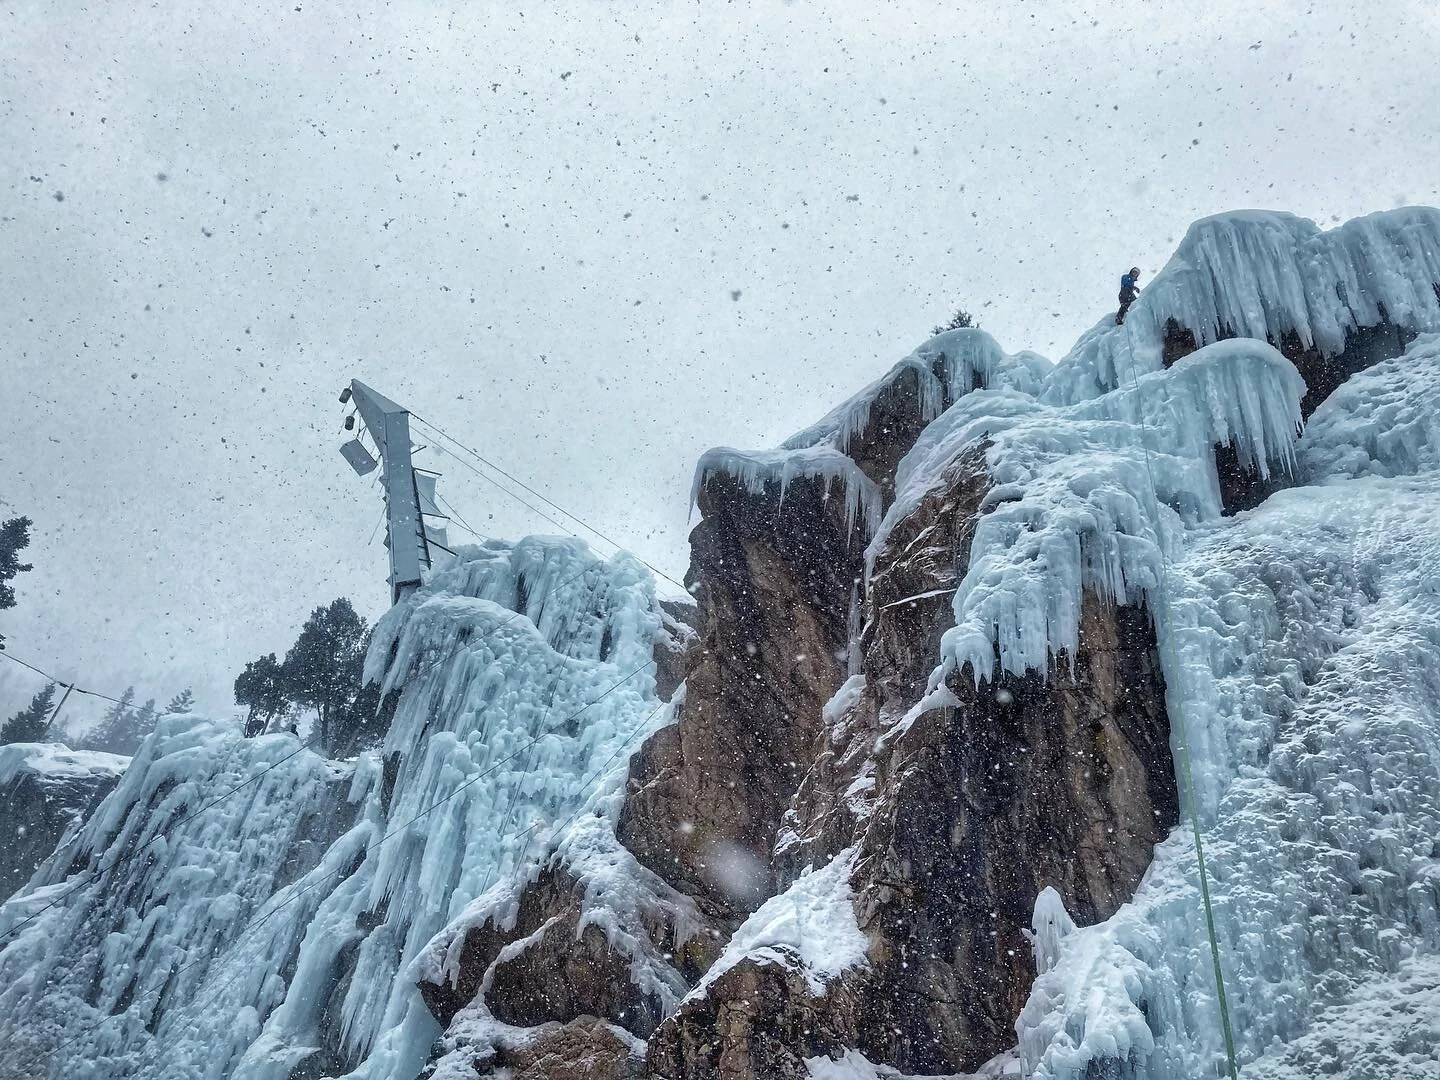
<point x="531" y="226"/>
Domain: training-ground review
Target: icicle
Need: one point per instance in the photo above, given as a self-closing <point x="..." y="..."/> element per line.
<point x="1264" y="275"/>
<point x="1078" y="490"/>
<point x="854" y="659"/>
<point x="506" y="722"/>
<point x="756" y="470"/>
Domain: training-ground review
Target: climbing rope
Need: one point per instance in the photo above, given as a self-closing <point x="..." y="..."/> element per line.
<point x="1186" y="774"/>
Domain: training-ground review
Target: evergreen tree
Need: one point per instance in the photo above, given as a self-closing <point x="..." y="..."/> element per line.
<point x="29" y="724"/>
<point x="116" y="727"/>
<point x="262" y="689"/>
<point x="961" y="320"/>
<point x="322" y="673"/>
<point x="323" y="669"/>
<point x="14" y="538"/>
<point x="142" y="724"/>
<point x="182" y="702"/>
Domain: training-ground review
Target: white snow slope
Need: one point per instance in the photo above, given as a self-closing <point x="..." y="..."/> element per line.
<point x="197" y="941"/>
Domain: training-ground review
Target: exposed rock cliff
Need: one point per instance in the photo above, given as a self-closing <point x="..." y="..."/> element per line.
<point x="45" y="790"/>
<point x="775" y="581"/>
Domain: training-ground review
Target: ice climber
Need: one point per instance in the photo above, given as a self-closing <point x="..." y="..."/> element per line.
<point x="1129" y="288"/>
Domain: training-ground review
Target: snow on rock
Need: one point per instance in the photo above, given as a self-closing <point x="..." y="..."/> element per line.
<point x="504" y="726"/>
<point x="46" y="789"/>
<point x="1088" y="496"/>
<point x="617" y="894"/>
<point x="1383" y="422"/>
<point x="1267" y="275"/>
<point x="945" y="368"/>
<point x="1297" y="640"/>
<point x="616" y="890"/>
<point x="56" y="762"/>
<point x="810" y="927"/>
<point x="757" y="469"/>
<point x="854" y="1065"/>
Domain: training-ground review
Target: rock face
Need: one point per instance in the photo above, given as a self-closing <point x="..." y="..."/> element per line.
<point x="1025" y="783"/>
<point x="584" y="1049"/>
<point x="758" y="1020"/>
<point x="45" y="788"/>
<point x="959" y="817"/>
<point x="706" y="795"/>
<point x="566" y="970"/>
<point x="971" y="810"/>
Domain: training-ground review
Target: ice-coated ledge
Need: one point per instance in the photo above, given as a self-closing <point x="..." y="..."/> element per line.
<point x="810" y="927"/>
<point x="1087" y="496"/>
<point x="756" y="470"/>
<point x="1383" y="422"/>
<point x="56" y="762"/>
<point x="946" y="367"/>
<point x="1264" y="275"/>
<point x="616" y="894"/>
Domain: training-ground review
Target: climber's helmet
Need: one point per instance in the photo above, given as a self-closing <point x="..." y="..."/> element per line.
<point x="1134" y="271"/>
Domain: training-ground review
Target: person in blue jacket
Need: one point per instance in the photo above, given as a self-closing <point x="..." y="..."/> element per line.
<point x="1129" y="289"/>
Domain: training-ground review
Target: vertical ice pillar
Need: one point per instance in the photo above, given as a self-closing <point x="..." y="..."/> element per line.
<point x="389" y="426"/>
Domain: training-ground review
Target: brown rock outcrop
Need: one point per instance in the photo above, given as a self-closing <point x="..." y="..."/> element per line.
<point x="584" y="1049"/>
<point x="960" y="820"/>
<point x="959" y="816"/>
<point x="1028" y="782"/>
<point x="953" y="818"/>
<point x="774" y="580"/>
<point x="545" y="968"/>
<point x="759" y="1019"/>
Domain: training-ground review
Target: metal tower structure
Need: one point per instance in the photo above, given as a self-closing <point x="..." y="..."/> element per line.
<point x="409" y="496"/>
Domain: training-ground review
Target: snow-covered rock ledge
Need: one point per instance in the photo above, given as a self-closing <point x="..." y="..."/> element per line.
<point x="757" y="470"/>
<point x="46" y="788"/>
